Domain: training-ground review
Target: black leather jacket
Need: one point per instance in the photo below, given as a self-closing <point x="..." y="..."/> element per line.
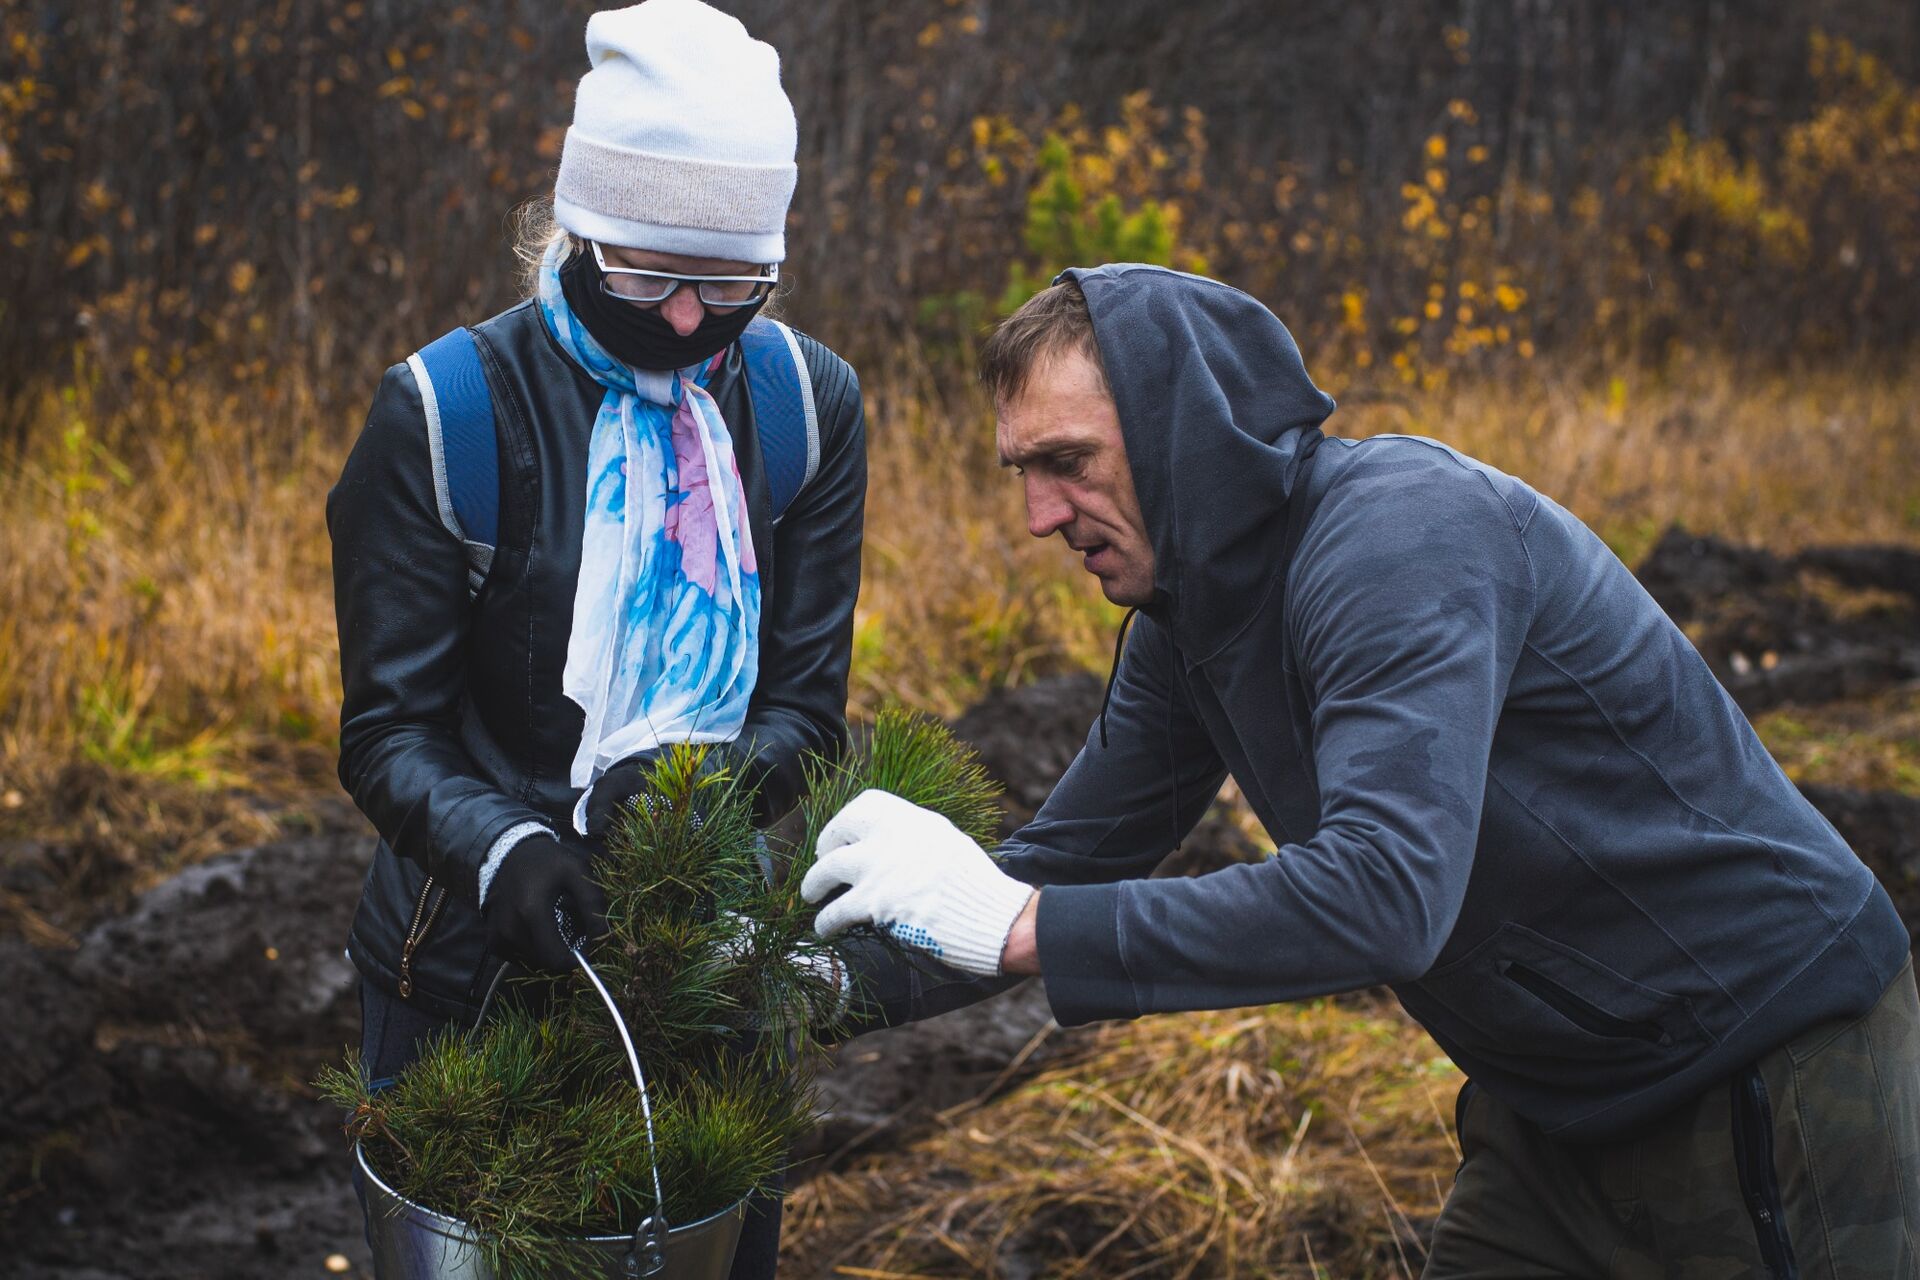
<point x="453" y="728"/>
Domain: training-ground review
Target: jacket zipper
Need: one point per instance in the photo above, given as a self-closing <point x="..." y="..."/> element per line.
<point x="1582" y="1013"/>
<point x="423" y="918"/>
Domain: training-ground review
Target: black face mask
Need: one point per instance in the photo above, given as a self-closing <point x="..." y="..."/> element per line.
<point x="640" y="337"/>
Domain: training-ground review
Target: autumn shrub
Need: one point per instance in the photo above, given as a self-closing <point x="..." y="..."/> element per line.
<point x="243" y="191"/>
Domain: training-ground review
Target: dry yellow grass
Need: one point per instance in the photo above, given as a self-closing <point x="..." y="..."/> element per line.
<point x="1782" y="459"/>
<point x="165" y="609"/>
<point x="1265" y="1143"/>
<point x="164" y="603"/>
<point x="166" y="631"/>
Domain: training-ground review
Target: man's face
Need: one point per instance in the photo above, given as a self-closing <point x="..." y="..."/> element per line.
<point x="1063" y="434"/>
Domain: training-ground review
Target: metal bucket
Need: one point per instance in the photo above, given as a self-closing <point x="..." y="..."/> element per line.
<point x="412" y="1242"/>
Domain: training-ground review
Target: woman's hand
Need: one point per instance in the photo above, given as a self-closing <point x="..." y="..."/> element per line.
<point x="542" y="903"/>
<point x="614" y="792"/>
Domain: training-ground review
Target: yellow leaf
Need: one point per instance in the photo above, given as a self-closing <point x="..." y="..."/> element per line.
<point x="241" y="278"/>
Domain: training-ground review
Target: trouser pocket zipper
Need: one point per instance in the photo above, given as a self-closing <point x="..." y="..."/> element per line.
<point x="1759" y="1185"/>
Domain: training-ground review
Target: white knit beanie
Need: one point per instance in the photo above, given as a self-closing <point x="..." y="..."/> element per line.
<point x="682" y="139"/>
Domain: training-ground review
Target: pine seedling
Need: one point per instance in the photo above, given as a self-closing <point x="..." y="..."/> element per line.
<point x="916" y="758"/>
<point x="682" y="876"/>
<point x="529" y="1128"/>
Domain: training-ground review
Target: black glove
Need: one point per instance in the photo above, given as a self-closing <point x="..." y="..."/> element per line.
<point x="615" y="791"/>
<point x="542" y="903"/>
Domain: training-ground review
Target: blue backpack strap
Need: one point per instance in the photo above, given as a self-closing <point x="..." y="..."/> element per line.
<point x="466" y="458"/>
<point x="783" y="410"/>
<point x="460" y="437"/>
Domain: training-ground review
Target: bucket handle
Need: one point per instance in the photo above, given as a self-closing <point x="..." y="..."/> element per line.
<point x="646" y="1255"/>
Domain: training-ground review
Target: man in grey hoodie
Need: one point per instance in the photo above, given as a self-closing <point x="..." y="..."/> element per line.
<point x="1503" y="783"/>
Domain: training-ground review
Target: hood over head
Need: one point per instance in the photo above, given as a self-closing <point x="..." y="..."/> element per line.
<point x="1218" y="413"/>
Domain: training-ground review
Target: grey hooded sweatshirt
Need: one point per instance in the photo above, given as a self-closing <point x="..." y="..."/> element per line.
<point x="1501" y="780"/>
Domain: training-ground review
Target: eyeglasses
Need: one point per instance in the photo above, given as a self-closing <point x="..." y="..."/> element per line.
<point x="636" y="284"/>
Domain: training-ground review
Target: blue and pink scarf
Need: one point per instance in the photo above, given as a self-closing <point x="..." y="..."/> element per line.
<point x="666" y="615"/>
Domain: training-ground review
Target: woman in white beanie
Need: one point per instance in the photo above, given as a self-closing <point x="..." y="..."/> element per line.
<point x="659" y="568"/>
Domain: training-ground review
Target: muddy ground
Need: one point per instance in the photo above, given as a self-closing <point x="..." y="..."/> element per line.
<point x="153" y="1116"/>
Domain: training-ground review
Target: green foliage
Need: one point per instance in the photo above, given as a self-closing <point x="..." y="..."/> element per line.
<point x="529" y="1129"/>
<point x="948" y="323"/>
<point x="916" y="758"/>
<point x="532" y="1129"/>
<point x="1065" y="227"/>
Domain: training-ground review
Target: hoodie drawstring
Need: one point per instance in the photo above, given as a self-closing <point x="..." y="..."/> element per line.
<point x="1173" y="764"/>
<point x="1113" y="672"/>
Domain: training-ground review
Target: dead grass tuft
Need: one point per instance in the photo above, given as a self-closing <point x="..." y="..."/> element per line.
<point x="1218" y="1145"/>
<point x="1783" y="459"/>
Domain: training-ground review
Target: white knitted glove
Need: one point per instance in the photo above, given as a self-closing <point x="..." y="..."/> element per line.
<point x="916" y="877"/>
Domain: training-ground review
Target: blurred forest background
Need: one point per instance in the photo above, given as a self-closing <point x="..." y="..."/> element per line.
<point x="1659" y="259"/>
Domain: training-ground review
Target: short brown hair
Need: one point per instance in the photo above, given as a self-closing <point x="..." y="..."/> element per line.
<point x="1050" y="323"/>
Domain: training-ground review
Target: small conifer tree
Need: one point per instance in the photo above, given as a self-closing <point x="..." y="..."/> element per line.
<point x="529" y="1128"/>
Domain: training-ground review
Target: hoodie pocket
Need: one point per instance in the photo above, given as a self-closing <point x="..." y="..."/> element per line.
<point x="1578" y="1010"/>
<point x="1547" y="1011"/>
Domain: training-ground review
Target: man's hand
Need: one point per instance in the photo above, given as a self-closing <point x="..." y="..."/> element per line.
<point x="1022" y="952"/>
<point x="540" y="890"/>
<point x="916" y="877"/>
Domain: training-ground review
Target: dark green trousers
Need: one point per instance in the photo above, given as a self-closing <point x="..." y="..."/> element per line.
<point x="1806" y="1166"/>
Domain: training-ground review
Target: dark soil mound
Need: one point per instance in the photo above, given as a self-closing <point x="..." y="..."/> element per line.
<point x="1884" y="829"/>
<point x="155" y="1120"/>
<point x="1027" y="736"/>
<point x="1829" y="623"/>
